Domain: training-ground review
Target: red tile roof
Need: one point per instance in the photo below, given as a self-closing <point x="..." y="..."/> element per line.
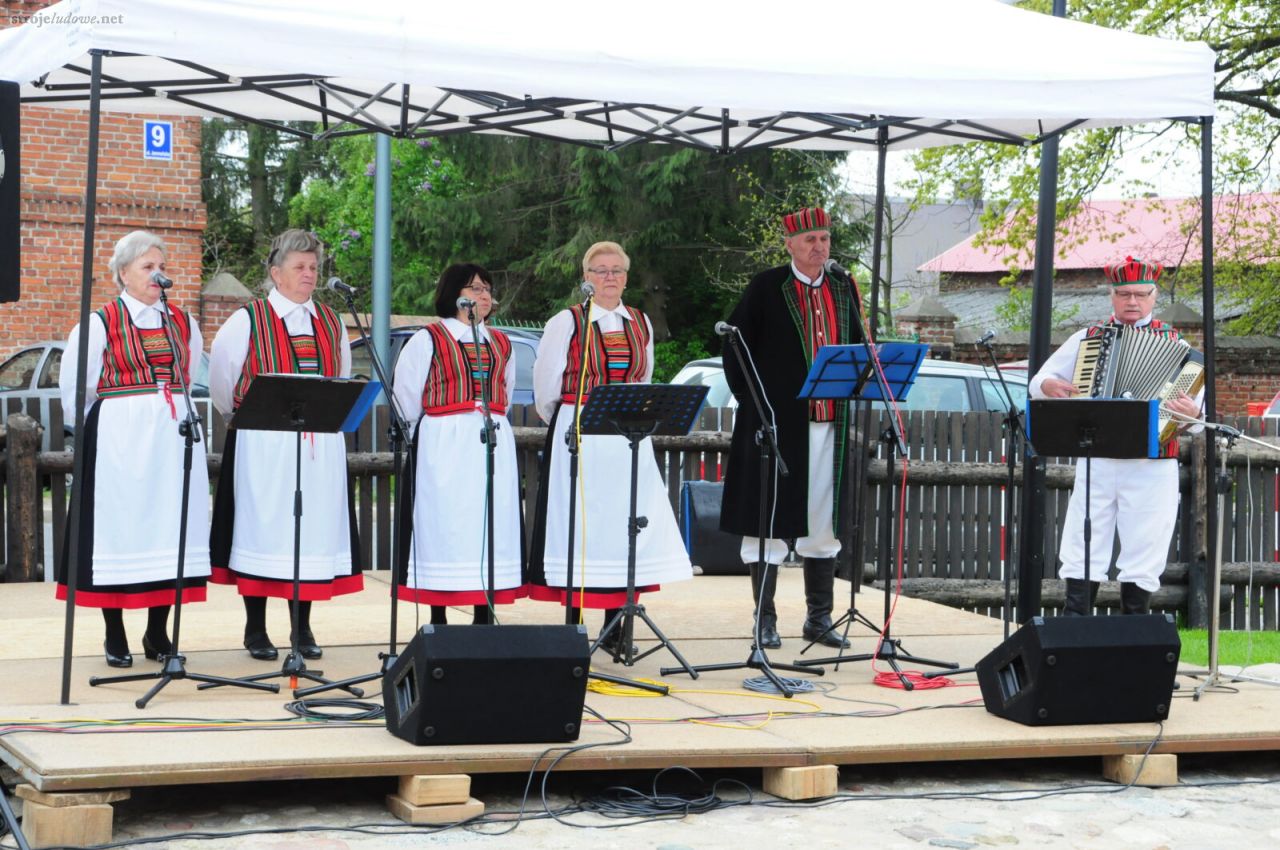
<point x="1166" y="230"/>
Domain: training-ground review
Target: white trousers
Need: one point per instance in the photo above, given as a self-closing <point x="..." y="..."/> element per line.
<point x="821" y="541"/>
<point x="1137" y="498"/>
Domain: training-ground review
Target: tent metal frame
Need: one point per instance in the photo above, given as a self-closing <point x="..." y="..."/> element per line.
<point x="520" y="116"/>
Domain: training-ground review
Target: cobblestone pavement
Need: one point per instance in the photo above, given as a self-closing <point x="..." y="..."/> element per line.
<point x="1222" y="801"/>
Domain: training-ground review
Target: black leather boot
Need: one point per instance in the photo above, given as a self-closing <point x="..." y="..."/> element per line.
<point x="116" y="646"/>
<point x="307" y="647"/>
<point x="1133" y="599"/>
<point x="439" y="615"/>
<point x="255" y="629"/>
<point x="1081" y="596"/>
<point x="155" y="640"/>
<point x="613" y="644"/>
<point x="819" y="596"/>
<point x="769" y="637"/>
<point x="481" y="616"/>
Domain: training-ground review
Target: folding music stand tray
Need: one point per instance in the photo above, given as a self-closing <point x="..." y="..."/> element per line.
<point x="637" y="411"/>
<point x="847" y="372"/>
<point x="301" y="403"/>
<point x="1094" y="427"/>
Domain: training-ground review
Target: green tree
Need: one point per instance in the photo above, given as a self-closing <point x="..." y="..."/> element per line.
<point x="248" y="175"/>
<point x="1246" y="37"/>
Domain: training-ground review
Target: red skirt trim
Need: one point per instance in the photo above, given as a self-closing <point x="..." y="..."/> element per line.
<point x="145" y="599"/>
<point x="591" y="598"/>
<point x="424" y="596"/>
<point x="308" y="591"/>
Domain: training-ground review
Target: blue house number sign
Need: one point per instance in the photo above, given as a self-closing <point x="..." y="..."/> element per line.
<point x="157" y="142"/>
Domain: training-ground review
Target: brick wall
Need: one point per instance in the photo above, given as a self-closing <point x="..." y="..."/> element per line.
<point x="133" y="193"/>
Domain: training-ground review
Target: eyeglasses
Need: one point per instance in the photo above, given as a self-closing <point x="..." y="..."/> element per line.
<point x="608" y="272"/>
<point x="1133" y="296"/>
<point x="483" y="289"/>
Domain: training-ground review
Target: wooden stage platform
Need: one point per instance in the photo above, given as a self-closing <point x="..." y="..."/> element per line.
<point x="854" y="720"/>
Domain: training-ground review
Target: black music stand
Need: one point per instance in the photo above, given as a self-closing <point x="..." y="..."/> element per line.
<point x="1094" y="427"/>
<point x="301" y="403"/>
<point x="637" y="411"/>
<point x="848" y="372"/>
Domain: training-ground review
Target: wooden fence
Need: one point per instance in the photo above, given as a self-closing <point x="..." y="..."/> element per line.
<point x="953" y="523"/>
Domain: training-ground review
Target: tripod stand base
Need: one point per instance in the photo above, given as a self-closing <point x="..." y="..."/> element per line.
<point x="294" y="668"/>
<point x="624" y="622"/>
<point x="890" y="651"/>
<point x="757" y="660"/>
<point x="849" y="619"/>
<point x="345" y="684"/>
<point x="173" y="669"/>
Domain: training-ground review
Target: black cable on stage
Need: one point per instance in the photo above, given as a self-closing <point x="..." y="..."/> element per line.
<point x="352" y="709"/>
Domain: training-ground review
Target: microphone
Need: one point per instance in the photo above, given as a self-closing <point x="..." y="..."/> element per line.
<point x="831" y="266"/>
<point x="336" y="284"/>
<point x="158" y="278"/>
<point x="586" y="290"/>
<point x="725" y="329"/>
<point x="465" y="303"/>
<point x="987" y="337"/>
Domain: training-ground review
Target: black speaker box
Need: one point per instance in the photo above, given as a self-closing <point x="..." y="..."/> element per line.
<point x="488" y="685"/>
<point x="714" y="551"/>
<point x="1078" y="670"/>
<point x="10" y="193"/>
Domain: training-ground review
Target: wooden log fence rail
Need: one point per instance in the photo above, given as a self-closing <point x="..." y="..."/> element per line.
<point x="953" y="524"/>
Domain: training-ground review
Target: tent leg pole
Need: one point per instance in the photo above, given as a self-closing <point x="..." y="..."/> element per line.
<point x="82" y="365"/>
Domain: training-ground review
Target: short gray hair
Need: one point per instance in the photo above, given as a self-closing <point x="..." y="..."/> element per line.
<point x="130" y="247"/>
<point x="291" y="241"/>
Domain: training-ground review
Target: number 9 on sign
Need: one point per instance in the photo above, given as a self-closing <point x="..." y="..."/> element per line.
<point x="157" y="140"/>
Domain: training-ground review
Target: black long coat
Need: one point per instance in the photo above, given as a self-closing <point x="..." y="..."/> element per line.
<point x="768" y="316"/>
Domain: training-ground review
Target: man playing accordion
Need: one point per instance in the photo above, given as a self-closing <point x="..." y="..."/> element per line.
<point x="1137" y="498"/>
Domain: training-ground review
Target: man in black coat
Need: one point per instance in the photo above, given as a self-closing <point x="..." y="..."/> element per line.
<point x="785" y="315"/>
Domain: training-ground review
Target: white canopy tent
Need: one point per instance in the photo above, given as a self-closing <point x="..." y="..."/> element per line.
<point x="932" y="71"/>
<point x="858" y="75"/>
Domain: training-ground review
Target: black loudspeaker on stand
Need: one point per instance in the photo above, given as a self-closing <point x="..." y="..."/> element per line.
<point x="1080" y="670"/>
<point x="447" y="686"/>
<point x="10" y="193"/>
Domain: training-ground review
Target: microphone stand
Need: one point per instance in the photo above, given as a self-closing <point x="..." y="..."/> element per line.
<point x="398" y="431"/>
<point x="767" y="441"/>
<point x="572" y="437"/>
<point x="488" y="436"/>
<point x="174" y="665"/>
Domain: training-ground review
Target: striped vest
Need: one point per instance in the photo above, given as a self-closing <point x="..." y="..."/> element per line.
<point x="272" y="351"/>
<point x="819" y="328"/>
<point x="134" y="365"/>
<point x="453" y="380"/>
<point x="600" y="355"/>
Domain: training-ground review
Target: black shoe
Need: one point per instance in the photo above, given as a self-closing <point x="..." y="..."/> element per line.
<point x="769" y="637"/>
<point x="307" y="647"/>
<point x="156" y="649"/>
<point x="114" y="660"/>
<point x="260" y="647"/>
<point x="1133" y="599"/>
<point x="823" y="633"/>
<point x="612" y="644"/>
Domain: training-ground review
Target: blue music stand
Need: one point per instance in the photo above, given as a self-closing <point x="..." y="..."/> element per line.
<point x="847" y="372"/>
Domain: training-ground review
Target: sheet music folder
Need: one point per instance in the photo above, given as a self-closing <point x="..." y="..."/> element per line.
<point x="844" y="371"/>
<point x="325" y="405"/>
<point x="1117" y="427"/>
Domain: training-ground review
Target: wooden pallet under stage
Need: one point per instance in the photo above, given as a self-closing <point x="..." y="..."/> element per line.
<point x="703" y="616"/>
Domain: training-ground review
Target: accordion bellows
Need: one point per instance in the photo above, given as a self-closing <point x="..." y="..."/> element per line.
<point x="1136" y="362"/>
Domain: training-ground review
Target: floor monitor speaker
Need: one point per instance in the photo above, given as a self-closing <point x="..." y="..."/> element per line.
<point x="1079" y="670"/>
<point x="488" y="685"/>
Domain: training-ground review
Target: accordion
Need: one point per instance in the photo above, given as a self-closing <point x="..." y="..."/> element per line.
<point x="1124" y="361"/>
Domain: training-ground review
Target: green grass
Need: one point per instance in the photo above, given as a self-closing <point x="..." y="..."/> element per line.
<point x="1234" y="648"/>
